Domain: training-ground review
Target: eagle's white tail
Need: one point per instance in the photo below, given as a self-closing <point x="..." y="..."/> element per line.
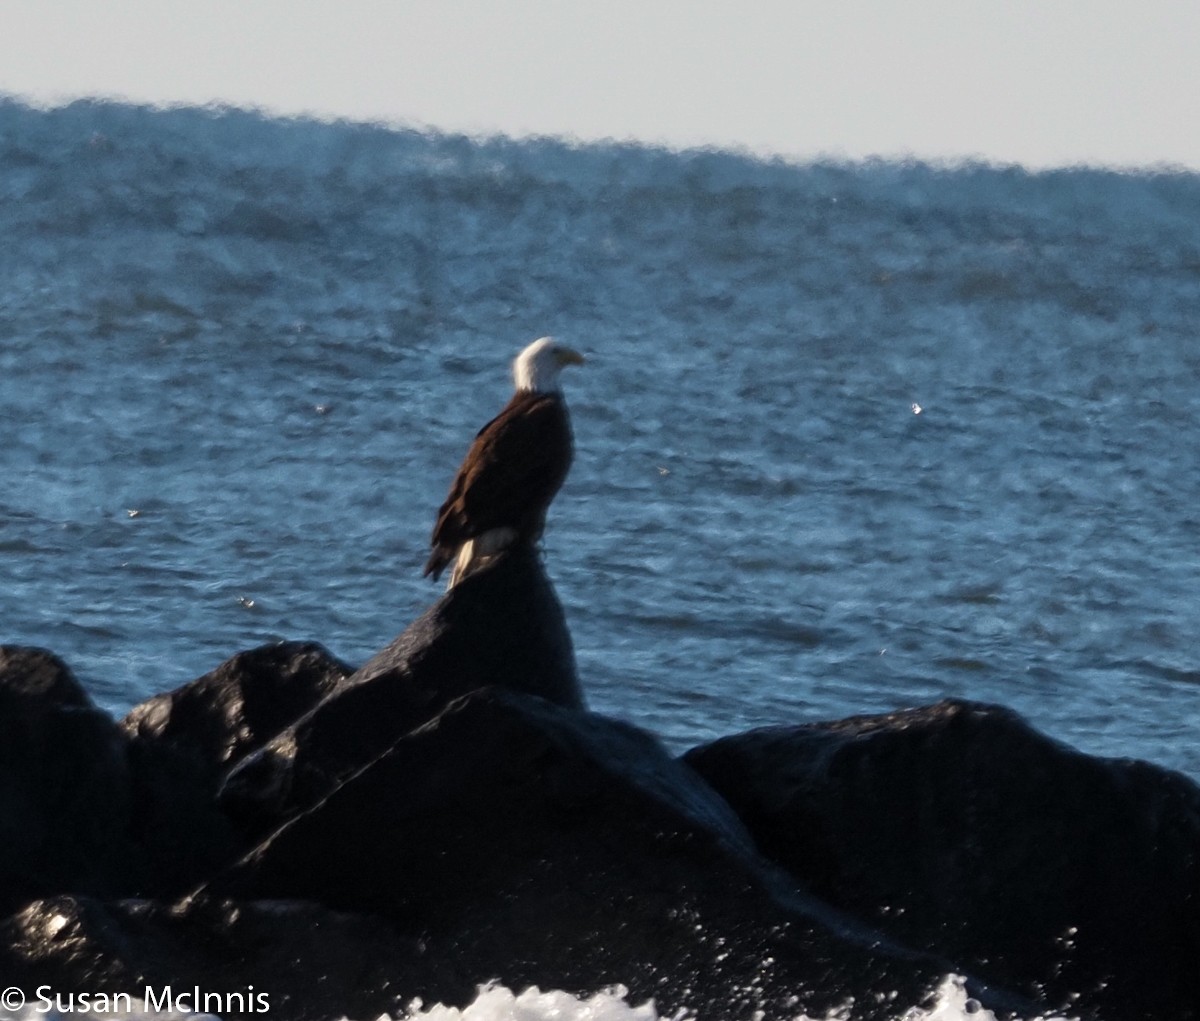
<point x="476" y="553"/>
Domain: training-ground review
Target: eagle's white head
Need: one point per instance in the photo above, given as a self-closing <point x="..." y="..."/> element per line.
<point x="537" y="367"/>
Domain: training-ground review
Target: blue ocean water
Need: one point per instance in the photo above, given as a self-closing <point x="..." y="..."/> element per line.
<point x="851" y="437"/>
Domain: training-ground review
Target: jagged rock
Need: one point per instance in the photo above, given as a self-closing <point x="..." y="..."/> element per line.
<point x="507" y="838"/>
<point x="547" y="846"/>
<point x="85" y="809"/>
<point x="310" y="963"/>
<point x="65" y="801"/>
<point x="236" y="708"/>
<point x="182" y="744"/>
<point x="450" y="813"/>
<point x="37" y="681"/>
<point x="959" y="829"/>
<point x="502" y="626"/>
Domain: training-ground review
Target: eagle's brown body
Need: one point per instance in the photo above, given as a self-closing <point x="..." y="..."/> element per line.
<point x="506" y="482"/>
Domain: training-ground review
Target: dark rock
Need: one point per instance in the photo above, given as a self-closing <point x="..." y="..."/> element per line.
<point x="450" y="814"/>
<point x="65" y="802"/>
<point x="183" y="743"/>
<point x="222" y="716"/>
<point x="502" y="626"/>
<point x="506" y="837"/>
<point x="84" y="809"/>
<point x="960" y="830"/>
<point x="36" y="680"/>
<point x="540" y="845"/>
<point x="310" y="963"/>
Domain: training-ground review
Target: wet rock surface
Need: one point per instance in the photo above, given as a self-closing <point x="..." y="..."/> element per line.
<point x="960" y="830"/>
<point x="346" y="841"/>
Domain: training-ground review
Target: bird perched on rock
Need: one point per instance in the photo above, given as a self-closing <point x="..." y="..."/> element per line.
<point x="513" y="469"/>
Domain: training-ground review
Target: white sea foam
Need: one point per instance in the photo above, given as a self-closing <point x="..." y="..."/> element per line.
<point x="497" y="1003"/>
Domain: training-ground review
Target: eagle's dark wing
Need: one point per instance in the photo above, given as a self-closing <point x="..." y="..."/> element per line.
<point x="509" y="476"/>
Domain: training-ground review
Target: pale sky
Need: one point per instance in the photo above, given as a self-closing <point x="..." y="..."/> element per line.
<point x="1037" y="82"/>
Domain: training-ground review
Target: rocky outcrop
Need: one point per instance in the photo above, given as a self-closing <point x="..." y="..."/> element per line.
<point x="66" y="788"/>
<point x="508" y="838"/>
<point x="347" y="841"/>
<point x="223" y="716"/>
<point x="502" y="627"/>
<point x="960" y="830"/>
<point x="508" y="819"/>
<point x="91" y="806"/>
<point x="298" y="961"/>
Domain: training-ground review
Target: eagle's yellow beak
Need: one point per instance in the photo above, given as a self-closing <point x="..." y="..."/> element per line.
<point x="568" y="356"/>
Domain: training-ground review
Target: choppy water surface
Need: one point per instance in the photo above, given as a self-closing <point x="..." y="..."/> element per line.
<point x="851" y="437"/>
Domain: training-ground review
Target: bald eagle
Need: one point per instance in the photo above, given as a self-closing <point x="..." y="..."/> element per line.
<point x="513" y="469"/>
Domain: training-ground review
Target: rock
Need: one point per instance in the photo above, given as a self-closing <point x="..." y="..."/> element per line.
<point x="296" y="961"/>
<point x="505" y="837"/>
<point x="37" y="681"/>
<point x="82" y="808"/>
<point x="960" y="830"/>
<point x="542" y="845"/>
<point x="65" y="804"/>
<point x="233" y="710"/>
<point x="182" y="744"/>
<point x="503" y="626"/>
<point x="450" y="813"/>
